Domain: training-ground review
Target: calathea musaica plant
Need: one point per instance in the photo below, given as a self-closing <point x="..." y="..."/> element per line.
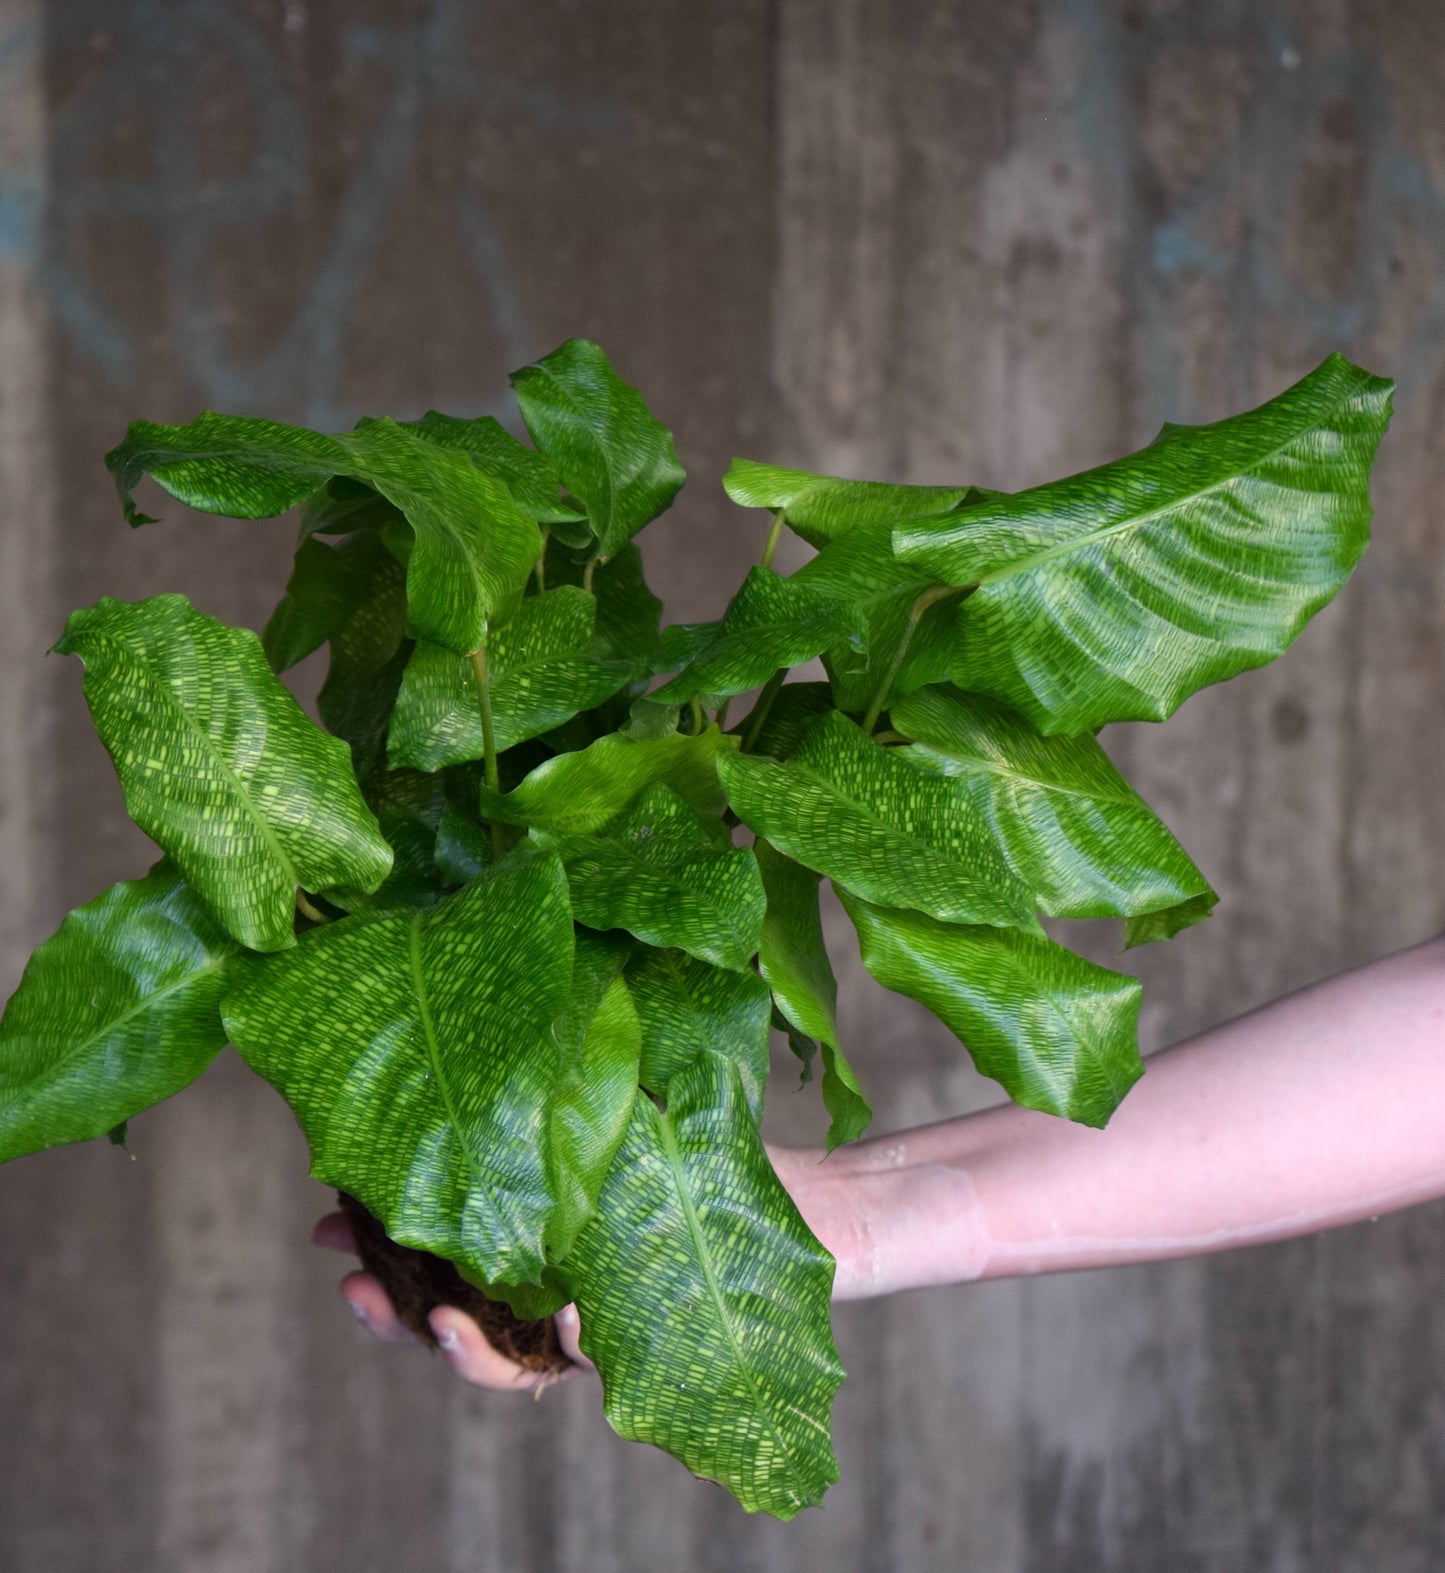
<point x="509" y="929"/>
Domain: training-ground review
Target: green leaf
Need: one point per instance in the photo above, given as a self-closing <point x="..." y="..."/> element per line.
<point x="688" y="1008"/>
<point x="1056" y="1031"/>
<point x="1071" y="827"/>
<point x="704" y="1300"/>
<point x="660" y="873"/>
<point x="793" y="710"/>
<point x="544" y="669"/>
<point x="369" y="652"/>
<point x="408" y="806"/>
<point x="474" y="548"/>
<point x="321" y="595"/>
<point x="220" y="765"/>
<point x="860" y="570"/>
<point x="463" y="845"/>
<point x="416" y="1050"/>
<point x="599" y="1039"/>
<point x="578" y="793"/>
<point x="530" y="476"/>
<point x="116" y="1011"/>
<point x="1115" y="594"/>
<point x="794" y="961"/>
<point x="771" y="623"/>
<point x="845" y="807"/>
<point x="1148" y="927"/>
<point x="613" y="454"/>
<point x="344" y="507"/>
<point x="821" y="507"/>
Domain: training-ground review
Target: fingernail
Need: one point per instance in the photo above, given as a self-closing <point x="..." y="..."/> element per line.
<point x="357" y="1311"/>
<point x="567" y="1317"/>
<point x="449" y="1340"/>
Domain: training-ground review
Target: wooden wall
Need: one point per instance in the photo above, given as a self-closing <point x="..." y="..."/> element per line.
<point x="893" y="238"/>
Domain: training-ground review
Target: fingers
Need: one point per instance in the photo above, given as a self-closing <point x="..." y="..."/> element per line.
<point x="569" y="1329"/>
<point x="334" y="1232"/>
<point x="371" y="1307"/>
<point x="474" y="1360"/>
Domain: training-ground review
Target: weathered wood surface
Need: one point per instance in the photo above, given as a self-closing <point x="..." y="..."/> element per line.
<point x="876" y="236"/>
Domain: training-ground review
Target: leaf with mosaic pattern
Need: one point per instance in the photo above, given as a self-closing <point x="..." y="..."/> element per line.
<point x="220" y="765"/>
<point x="1115" y="594"/>
<point x="1057" y="1032"/>
<point x="544" y="668"/>
<point x="704" y="1299"/>
<point x="845" y="807"/>
<point x="119" y="1009"/>
<point x="416" y="1049"/>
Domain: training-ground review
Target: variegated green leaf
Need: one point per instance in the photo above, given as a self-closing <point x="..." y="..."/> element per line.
<point x="1071" y="827"/>
<point x="321" y="594"/>
<point x="220" y="766"/>
<point x="369" y="652"/>
<point x="789" y="715"/>
<point x="822" y="507"/>
<point x="417" y="1050"/>
<point x="578" y="793"/>
<point x="689" y="1007"/>
<point x="662" y="874"/>
<point x="845" y="807"/>
<point x="1115" y="594"/>
<point x="474" y="548"/>
<point x="531" y="477"/>
<point x="704" y="1299"/>
<point x="118" y="1010"/>
<point x="794" y="961"/>
<point x="613" y="454"/>
<point x="544" y="668"/>
<point x="599" y="1039"/>
<point x="900" y="615"/>
<point x="771" y="623"/>
<point x="1057" y="1032"/>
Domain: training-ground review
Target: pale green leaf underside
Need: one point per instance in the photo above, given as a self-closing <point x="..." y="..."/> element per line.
<point x="1057" y="1032"/>
<point x="794" y="962"/>
<point x="659" y="873"/>
<point x="613" y="454"/>
<point x="847" y="808"/>
<point x="771" y="623"/>
<point x="544" y="669"/>
<point x="1115" y="594"/>
<point x="416" y="1049"/>
<point x="687" y="1008"/>
<point x="578" y="793"/>
<point x="1071" y="827"/>
<point x="220" y="765"/>
<point x="823" y="507"/>
<point x="119" y="1009"/>
<point x="474" y="547"/>
<point x="704" y="1300"/>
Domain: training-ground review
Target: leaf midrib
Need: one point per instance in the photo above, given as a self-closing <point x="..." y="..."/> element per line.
<point x="238" y="785"/>
<point x="1139" y="521"/>
<point x="704" y="1258"/>
<point x="118" y="1022"/>
<point x="988" y="767"/>
<point x="433" y="1048"/>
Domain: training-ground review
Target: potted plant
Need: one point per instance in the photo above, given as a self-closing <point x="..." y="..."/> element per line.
<point x="510" y="928"/>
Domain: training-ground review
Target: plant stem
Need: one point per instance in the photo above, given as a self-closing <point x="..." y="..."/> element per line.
<point x="774" y="535"/>
<point x="541" y="569"/>
<point x="694" y="709"/>
<point x="307" y="910"/>
<point x="935" y="593"/>
<point x="760" y="709"/>
<point x="587" y="573"/>
<point x="478" y="658"/>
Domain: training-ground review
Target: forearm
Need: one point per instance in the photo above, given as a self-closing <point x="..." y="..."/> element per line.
<point x="1316" y="1110"/>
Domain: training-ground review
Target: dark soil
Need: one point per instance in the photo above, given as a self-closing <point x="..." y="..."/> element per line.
<point x="419" y="1282"/>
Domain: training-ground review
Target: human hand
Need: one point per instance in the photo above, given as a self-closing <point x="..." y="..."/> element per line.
<point x="819" y="1190"/>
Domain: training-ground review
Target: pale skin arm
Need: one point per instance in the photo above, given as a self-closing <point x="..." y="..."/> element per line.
<point x="1319" y="1109"/>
